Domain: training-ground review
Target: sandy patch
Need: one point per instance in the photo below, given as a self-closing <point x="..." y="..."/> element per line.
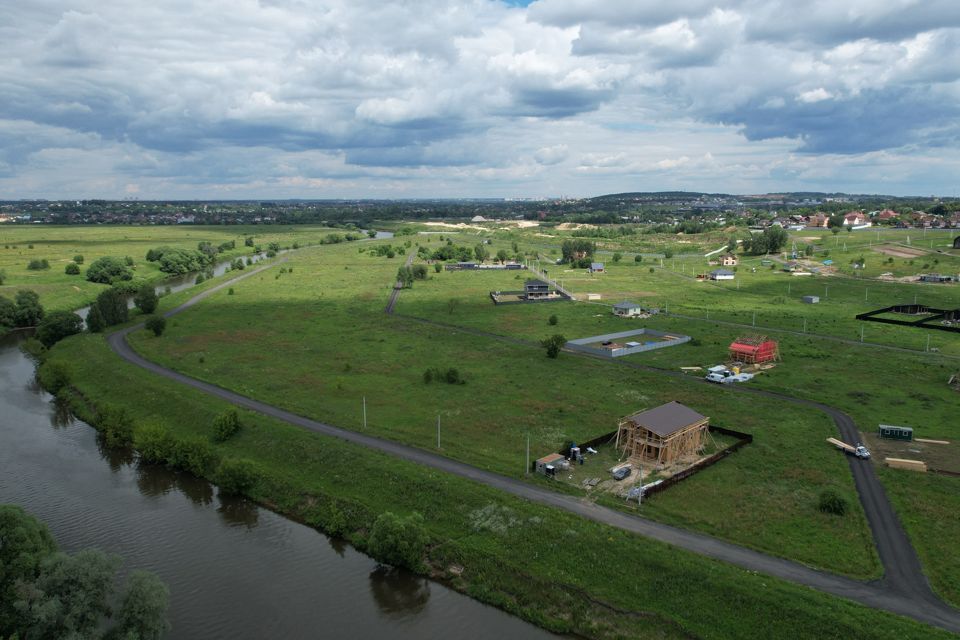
<point x="899" y="252"/>
<point x="459" y="225"/>
<point x="573" y="226"/>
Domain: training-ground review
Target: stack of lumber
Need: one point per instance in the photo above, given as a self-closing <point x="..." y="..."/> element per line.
<point x="912" y="465"/>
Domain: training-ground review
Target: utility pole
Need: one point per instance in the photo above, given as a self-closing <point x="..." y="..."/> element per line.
<point x="928" y="342"/>
<point x="861" y="333"/>
<point x="364" y="412"/>
<point x="826" y="290"/>
<point x="866" y="293"/>
<point x="528" y="454"/>
<point x="804" y="325"/>
<point x="438" y="431"/>
<point x="754" y="318"/>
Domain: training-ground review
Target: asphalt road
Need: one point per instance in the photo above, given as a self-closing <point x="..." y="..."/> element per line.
<point x="903" y="590"/>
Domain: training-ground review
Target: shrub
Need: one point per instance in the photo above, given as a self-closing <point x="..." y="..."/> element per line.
<point x="651" y="269"/>
<point x="553" y="345"/>
<point x="226" y="425"/>
<point x="193" y="455"/>
<point x="53" y="376"/>
<point x="553" y="320"/>
<point x="38" y="265"/>
<point x="832" y="502"/>
<point x="230" y="291"/>
<point x="78" y="259"/>
<point x="108" y="270"/>
<point x="28" y="311"/>
<point x="437" y="267"/>
<point x="128" y="261"/>
<point x="72" y="269"/>
<point x="157" y="324"/>
<point x="154" y="443"/>
<point x="146" y="299"/>
<point x="638" y="258"/>
<point x="200" y="278"/>
<point x="236" y="476"/>
<point x="400" y="542"/>
<point x="116" y="424"/>
<point x="419" y="272"/>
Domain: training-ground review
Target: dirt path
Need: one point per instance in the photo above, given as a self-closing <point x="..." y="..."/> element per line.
<point x="903" y="590"/>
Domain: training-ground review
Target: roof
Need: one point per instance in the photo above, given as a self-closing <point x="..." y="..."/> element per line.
<point x="721" y="272"/>
<point x="626" y="305"/>
<point x="551" y="457"/>
<point x="751" y="348"/>
<point x="535" y="283"/>
<point x="596" y="265"/>
<point x="666" y="419"/>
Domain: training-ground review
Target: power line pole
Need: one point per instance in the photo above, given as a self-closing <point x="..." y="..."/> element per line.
<point x="364" y="412"/>
<point x="528" y="455"/>
<point x="438" y="431"/>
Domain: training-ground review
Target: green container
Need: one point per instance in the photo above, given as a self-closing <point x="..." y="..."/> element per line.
<point x="890" y="432"/>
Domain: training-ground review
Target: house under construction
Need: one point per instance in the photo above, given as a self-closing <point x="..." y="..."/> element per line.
<point x="663" y="434"/>
<point x="754" y="349"/>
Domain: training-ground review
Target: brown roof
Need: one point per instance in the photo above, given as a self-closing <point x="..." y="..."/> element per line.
<point x="666" y="419"/>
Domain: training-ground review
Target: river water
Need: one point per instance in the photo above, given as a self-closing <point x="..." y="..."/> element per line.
<point x="234" y="570"/>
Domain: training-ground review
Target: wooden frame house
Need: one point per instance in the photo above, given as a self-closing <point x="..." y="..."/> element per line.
<point x="754" y="349"/>
<point x="662" y="434"/>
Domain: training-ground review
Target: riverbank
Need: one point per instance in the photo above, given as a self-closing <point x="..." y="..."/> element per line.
<point x="548" y="567"/>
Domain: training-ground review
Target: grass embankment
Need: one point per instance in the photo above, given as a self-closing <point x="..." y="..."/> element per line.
<point x="315" y="341"/>
<point x="549" y="567"/>
<point x="59" y="244"/>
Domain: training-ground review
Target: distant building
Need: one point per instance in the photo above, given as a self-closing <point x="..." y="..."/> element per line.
<point x="536" y="289"/>
<point x="596" y="267"/>
<point x="662" y="434"/>
<point x="729" y="260"/>
<point x="811" y="299"/>
<point x="722" y="274"/>
<point x="956" y="242"/>
<point x="935" y="277"/>
<point x="856" y="219"/>
<point x="627" y="309"/>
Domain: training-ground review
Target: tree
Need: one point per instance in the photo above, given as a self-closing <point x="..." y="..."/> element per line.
<point x="157" y="324"/>
<point x="95" y="321"/>
<point x="57" y="326"/>
<point x="553" y="345"/>
<point x="732" y="244"/>
<point x="502" y="256"/>
<point x="108" y="270"/>
<point x="24" y="543"/>
<point x="405" y="277"/>
<point x="248" y="241"/>
<point x="143" y="610"/>
<point x="481" y="252"/>
<point x="577" y="249"/>
<point x="113" y="307"/>
<point x="770" y="241"/>
<point x="835" y="221"/>
<point x="3" y="276"/>
<point x="8" y="313"/>
<point x="638" y="258"/>
<point x="146" y="299"/>
<point x="617" y="257"/>
<point x="400" y="542"/>
<point x="452" y="305"/>
<point x="29" y="312"/>
<point x="835" y="230"/>
<point x="72" y="269"/>
<point x="553" y="320"/>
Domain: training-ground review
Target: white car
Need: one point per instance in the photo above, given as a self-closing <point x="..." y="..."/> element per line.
<point x="721" y="377"/>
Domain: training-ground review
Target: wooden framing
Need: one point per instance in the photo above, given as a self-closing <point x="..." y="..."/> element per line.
<point x="663" y="434"/>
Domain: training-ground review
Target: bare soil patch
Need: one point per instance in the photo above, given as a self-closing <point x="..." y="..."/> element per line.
<point x="899" y="252"/>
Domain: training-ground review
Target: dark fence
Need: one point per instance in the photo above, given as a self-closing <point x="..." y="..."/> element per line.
<point x="931" y="321"/>
<point x="497" y="295"/>
<point x="944" y="472"/>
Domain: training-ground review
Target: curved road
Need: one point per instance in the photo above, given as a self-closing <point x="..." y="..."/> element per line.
<point x="903" y="590"/>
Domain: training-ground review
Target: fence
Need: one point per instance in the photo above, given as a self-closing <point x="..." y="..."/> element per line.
<point x="666" y="340"/>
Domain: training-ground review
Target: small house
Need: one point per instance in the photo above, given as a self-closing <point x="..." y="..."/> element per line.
<point x="729" y="260"/>
<point x="935" y="277"/>
<point x="754" y="350"/>
<point x="627" y="309"/>
<point x="956" y="242"/>
<point x="811" y="299"/>
<point x="856" y="219"/>
<point x="549" y="464"/>
<point x="890" y="432"/>
<point x="596" y="267"/>
<point x="536" y="289"/>
<point x="663" y="434"/>
<point x="722" y="274"/>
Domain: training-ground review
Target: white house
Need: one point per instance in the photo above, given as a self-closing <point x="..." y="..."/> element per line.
<point x="728" y="260"/>
<point x="722" y="274"/>
<point x="596" y="267"/>
<point x="627" y="309"/>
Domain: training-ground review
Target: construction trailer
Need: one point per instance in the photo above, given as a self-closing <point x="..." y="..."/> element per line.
<point x="663" y="434"/>
<point x="550" y="464"/>
<point x="890" y="432"/>
<point x="754" y="349"/>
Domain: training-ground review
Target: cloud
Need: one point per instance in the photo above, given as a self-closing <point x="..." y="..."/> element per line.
<point x="552" y="155"/>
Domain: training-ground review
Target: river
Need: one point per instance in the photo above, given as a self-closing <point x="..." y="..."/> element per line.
<point x="234" y="570"/>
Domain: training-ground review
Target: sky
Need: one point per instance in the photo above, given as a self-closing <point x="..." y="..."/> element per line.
<point x="232" y="99"/>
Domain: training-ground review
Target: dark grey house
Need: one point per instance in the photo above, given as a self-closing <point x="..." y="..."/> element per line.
<point x="534" y="289"/>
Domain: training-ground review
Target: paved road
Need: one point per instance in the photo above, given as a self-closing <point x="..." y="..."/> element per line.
<point x="903" y="590"/>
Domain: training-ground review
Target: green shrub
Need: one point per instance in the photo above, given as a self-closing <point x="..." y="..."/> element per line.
<point x="194" y="455"/>
<point x="154" y="442"/>
<point x="146" y="299"/>
<point x="553" y="345"/>
<point x="157" y="324"/>
<point x="116" y="424"/>
<point x="553" y="320"/>
<point x="53" y="376"/>
<point x="226" y="425"/>
<point x="108" y="270"/>
<point x="78" y="259"/>
<point x="72" y="269"/>
<point x="58" y="325"/>
<point x="832" y="502"/>
<point x="236" y="476"/>
<point x="38" y="265"/>
<point x="400" y="542"/>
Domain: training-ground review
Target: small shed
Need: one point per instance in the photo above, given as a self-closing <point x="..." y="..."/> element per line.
<point x="547" y="465"/>
<point x="956" y="242"/>
<point x="596" y="267"/>
<point x="754" y="349"/>
<point x="729" y="260"/>
<point x="890" y="432"/>
<point x="811" y="299"/>
<point x="627" y="309"/>
<point x="663" y="433"/>
<point x="722" y="274"/>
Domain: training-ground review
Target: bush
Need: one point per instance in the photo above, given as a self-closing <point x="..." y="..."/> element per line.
<point x="154" y="443"/>
<point x="193" y="455"/>
<point x="28" y="311"/>
<point x="72" y="269"/>
<point x="437" y="267"/>
<point x="53" y="376"/>
<point x="236" y="476"/>
<point x="638" y="258"/>
<point x="226" y="425"/>
<point x="116" y="424"/>
<point x="450" y="376"/>
<point x="157" y="324"/>
<point x="95" y="321"/>
<point x="78" y="259"/>
<point x="38" y="265"/>
<point x="400" y="542"/>
<point x="553" y="345"/>
<point x="553" y="320"/>
<point x="146" y="299"/>
<point x="58" y="325"/>
<point x="108" y="270"/>
<point x="832" y="502"/>
<point x="419" y="272"/>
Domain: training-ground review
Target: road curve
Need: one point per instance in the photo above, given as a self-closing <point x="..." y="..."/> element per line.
<point x="897" y="596"/>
